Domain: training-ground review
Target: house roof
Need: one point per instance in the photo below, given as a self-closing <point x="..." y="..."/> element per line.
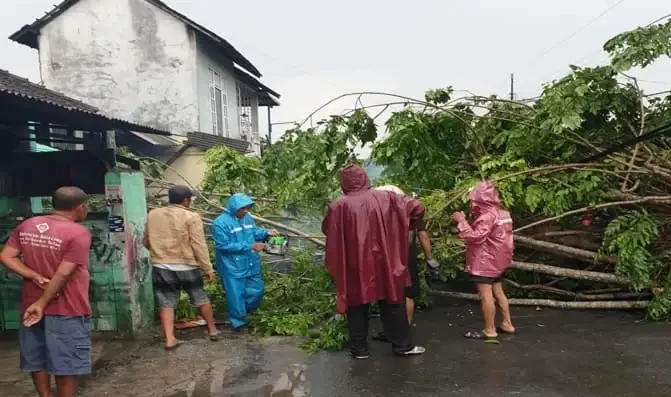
<point x="19" y="88"/>
<point x="28" y="34"/>
<point x="14" y="85"/>
<point x="205" y="141"/>
<point x="267" y="96"/>
<point x="157" y="140"/>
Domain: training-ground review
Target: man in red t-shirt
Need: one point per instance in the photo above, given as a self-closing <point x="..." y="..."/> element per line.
<point x="55" y="337"/>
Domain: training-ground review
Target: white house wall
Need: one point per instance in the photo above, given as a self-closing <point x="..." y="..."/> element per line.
<point x="128" y="58"/>
<point x="209" y="57"/>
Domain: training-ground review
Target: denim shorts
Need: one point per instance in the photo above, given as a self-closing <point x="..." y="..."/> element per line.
<point x="169" y="283"/>
<point x="59" y="345"/>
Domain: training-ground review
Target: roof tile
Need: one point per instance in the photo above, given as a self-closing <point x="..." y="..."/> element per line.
<point x="19" y="86"/>
<point x="207" y="141"/>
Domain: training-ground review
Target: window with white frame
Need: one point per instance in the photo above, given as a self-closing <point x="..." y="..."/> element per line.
<point x="245" y="120"/>
<point x="219" y="104"/>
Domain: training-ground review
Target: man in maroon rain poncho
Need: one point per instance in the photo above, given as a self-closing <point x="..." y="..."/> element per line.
<point x="366" y="254"/>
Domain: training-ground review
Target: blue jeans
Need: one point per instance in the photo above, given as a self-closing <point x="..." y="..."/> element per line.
<point x="243" y="295"/>
<point x="59" y="345"/>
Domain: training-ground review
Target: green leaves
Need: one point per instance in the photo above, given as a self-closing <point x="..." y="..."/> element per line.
<point x="231" y="172"/>
<point x="301" y="303"/>
<point x="639" y="47"/>
<point x="361" y="129"/>
<point x="630" y="236"/>
<point x="534" y="196"/>
<point x="302" y="167"/>
<point x="439" y="96"/>
<point x="422" y="149"/>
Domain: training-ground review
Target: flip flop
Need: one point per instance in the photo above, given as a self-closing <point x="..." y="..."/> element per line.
<point x="477" y="335"/>
<point x="213" y="337"/>
<point x="503" y="331"/>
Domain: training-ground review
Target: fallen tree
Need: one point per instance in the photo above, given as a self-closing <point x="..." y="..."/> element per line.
<point x="571" y="273"/>
<point x="598" y="305"/>
<point x="555" y="159"/>
<point x="563" y="250"/>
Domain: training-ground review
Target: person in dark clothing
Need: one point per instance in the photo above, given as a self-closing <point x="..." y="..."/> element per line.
<point x="417" y="233"/>
<point x="366" y="254"/>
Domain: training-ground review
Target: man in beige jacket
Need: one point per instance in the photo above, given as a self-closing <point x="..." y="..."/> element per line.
<point x="180" y="257"/>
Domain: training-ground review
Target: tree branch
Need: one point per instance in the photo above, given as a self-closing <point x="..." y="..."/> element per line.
<point x="563" y="250"/>
<point x="597" y="305"/>
<point x="571" y="273"/>
<point x="642" y="200"/>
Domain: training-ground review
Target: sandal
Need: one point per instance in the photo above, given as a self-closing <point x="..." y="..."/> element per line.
<point x="477" y="335"/>
<point x="503" y="331"/>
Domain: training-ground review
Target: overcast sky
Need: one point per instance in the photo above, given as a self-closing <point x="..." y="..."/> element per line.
<point x="313" y="50"/>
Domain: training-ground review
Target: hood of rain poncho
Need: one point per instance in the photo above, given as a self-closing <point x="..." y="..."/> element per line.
<point x="484" y="195"/>
<point x="237" y="202"/>
<point x="354" y="179"/>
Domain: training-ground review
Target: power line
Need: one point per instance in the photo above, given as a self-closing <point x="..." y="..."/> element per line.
<point x="585" y="58"/>
<point x="665" y="129"/>
<point x="654" y="82"/>
<point x="577" y="32"/>
<point x="657" y="93"/>
<point x="658" y="20"/>
<point x="581" y="29"/>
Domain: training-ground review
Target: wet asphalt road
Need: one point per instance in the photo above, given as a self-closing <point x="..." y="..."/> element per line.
<point x="556" y="353"/>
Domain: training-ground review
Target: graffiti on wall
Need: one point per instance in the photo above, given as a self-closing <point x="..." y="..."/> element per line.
<point x="103" y="252"/>
<point x="109" y="291"/>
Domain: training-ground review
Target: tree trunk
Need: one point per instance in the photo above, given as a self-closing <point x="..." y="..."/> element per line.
<point x="288" y="229"/>
<point x="615" y="296"/>
<point x="563" y="250"/>
<point x="597" y="305"/>
<point x="571" y="273"/>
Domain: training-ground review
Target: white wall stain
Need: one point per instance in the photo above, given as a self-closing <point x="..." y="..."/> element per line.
<point x="128" y="58"/>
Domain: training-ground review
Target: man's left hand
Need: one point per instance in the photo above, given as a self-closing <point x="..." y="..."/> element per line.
<point x="273" y="233"/>
<point x="33" y="314"/>
<point x="458" y="217"/>
<point x="210" y="276"/>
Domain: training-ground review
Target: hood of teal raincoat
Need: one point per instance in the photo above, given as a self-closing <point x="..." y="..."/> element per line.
<point x="238" y="201"/>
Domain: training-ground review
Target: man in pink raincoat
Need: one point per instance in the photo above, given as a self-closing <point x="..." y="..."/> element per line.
<point x="489" y="252"/>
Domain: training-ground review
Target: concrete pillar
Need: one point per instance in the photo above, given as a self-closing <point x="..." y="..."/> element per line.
<point x="121" y="286"/>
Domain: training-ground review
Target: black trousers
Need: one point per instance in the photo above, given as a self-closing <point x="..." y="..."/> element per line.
<point x="394" y="323"/>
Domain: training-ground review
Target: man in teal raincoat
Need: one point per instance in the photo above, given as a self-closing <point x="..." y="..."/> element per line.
<point x="238" y="242"/>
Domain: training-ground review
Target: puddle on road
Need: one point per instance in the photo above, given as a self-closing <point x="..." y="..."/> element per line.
<point x="291" y="384"/>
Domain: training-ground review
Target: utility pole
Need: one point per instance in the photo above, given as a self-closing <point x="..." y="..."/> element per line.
<point x="270" y="128"/>
<point x="512" y="87"/>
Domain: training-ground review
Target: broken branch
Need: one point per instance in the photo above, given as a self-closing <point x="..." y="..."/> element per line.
<point x="595" y="305"/>
<point x="563" y="250"/>
<point x="571" y="273"/>
<point x="649" y="199"/>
